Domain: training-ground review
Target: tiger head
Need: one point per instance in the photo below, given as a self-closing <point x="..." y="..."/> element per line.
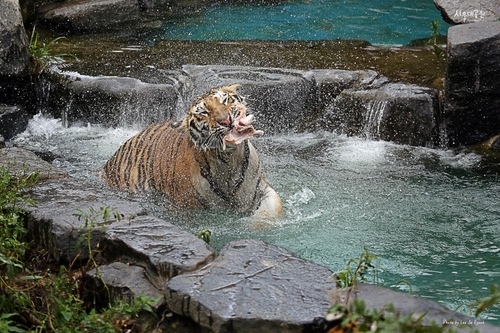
<point x="217" y="117"/>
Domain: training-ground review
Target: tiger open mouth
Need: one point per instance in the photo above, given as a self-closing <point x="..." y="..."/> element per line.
<point x="241" y="128"/>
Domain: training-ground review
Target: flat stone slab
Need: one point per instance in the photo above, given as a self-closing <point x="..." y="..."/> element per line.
<point x="124" y="281"/>
<point x="253" y="287"/>
<point x="54" y="225"/>
<point x="21" y="162"/>
<point x="162" y="248"/>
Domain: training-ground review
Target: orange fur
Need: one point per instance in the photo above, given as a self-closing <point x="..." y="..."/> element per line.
<point x="191" y="173"/>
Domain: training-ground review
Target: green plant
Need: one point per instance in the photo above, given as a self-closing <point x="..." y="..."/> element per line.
<point x="357" y="270"/>
<point x="205" y="235"/>
<point x="13" y="245"/>
<point x="12" y="230"/>
<point x="51" y="302"/>
<point x="488" y="301"/>
<point x="66" y="312"/>
<point x="42" y="52"/>
<point x="433" y="41"/>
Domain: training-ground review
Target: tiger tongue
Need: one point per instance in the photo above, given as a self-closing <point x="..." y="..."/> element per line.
<point x="242" y="129"/>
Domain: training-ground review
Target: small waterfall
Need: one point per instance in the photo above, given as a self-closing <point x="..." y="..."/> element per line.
<point x="374" y="112"/>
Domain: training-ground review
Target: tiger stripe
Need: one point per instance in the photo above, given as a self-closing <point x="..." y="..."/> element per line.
<point x="189" y="163"/>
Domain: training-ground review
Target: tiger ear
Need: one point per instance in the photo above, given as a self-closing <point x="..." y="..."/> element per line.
<point x="232" y="88"/>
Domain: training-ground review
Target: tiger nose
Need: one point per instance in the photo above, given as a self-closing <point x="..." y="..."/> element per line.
<point x="226" y="122"/>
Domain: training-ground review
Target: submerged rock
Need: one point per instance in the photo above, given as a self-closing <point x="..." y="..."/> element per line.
<point x="471" y="98"/>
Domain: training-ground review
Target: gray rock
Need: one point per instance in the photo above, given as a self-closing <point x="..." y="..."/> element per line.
<point x="21" y="162"/>
<point x="472" y="83"/>
<point x="90" y="15"/>
<point x="470" y="11"/>
<point x="53" y="223"/>
<point x="377" y="297"/>
<point x="14" y="54"/>
<point x="13" y="120"/>
<point x="124" y="282"/>
<point x="162" y="248"/>
<point x="116" y="101"/>
<point x="253" y="287"/>
<point x="329" y="83"/>
<point x="405" y="114"/>
<point x="276" y="96"/>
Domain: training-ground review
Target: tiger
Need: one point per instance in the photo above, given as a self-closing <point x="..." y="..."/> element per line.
<point x="204" y="161"/>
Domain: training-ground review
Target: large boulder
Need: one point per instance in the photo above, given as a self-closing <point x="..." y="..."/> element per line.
<point x="460" y="11"/>
<point x="471" y="99"/>
<point x="14" y="51"/>
<point x="90" y="15"/>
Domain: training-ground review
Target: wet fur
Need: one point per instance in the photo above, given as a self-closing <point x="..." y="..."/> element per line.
<point x="187" y="162"/>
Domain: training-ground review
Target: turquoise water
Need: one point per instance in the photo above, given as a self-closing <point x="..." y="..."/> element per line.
<point x="384" y="22"/>
<point x="431" y="216"/>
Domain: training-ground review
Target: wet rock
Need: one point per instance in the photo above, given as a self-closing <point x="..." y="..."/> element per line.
<point x="90" y="15"/>
<point x="253" y="287"/>
<point x="329" y="83"/>
<point x="54" y="225"/>
<point x="471" y="100"/>
<point x="112" y="100"/>
<point x="276" y="96"/>
<point x="13" y="120"/>
<point x="162" y="248"/>
<point x="21" y="162"/>
<point x="470" y="11"/>
<point x="405" y="114"/>
<point x="14" y="54"/>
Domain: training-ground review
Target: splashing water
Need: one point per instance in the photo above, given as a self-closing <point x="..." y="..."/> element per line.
<point x="430" y="215"/>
